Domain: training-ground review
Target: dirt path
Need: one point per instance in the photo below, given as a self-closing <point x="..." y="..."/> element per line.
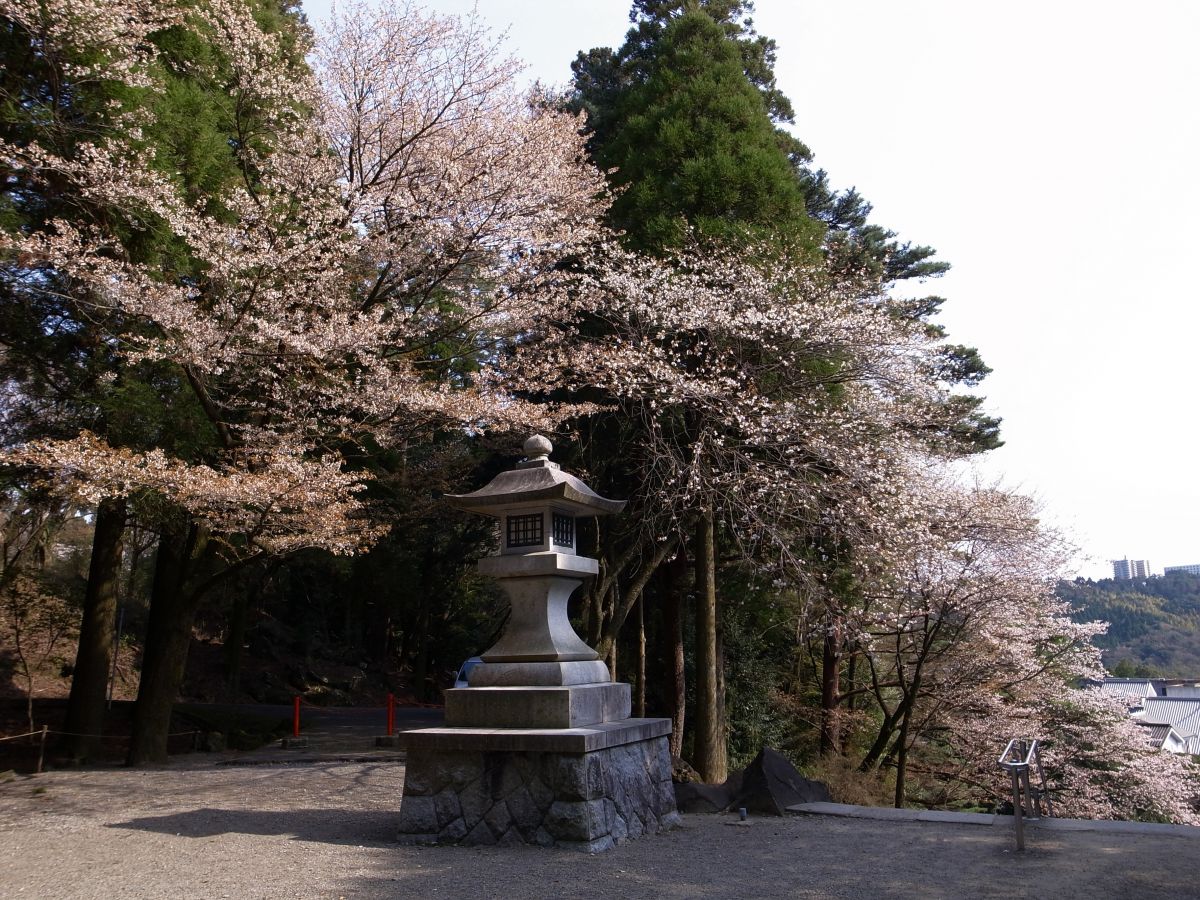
<point x="317" y="831"/>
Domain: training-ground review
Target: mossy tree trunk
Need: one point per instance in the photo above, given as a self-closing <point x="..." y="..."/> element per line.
<point x="710" y="755"/>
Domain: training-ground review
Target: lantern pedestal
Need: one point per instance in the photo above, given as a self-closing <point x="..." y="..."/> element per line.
<point x="538" y="586"/>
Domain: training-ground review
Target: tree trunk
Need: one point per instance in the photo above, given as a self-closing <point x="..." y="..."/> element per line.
<point x="886" y="729"/>
<point x="673" y="637"/>
<point x="900" y="749"/>
<point x="93" y="660"/>
<point x="709" y="750"/>
<point x="235" y="638"/>
<point x="901" y="756"/>
<point x="830" y="692"/>
<point x="622" y="606"/>
<point x="639" y="705"/>
<point x="168" y="634"/>
<point x="421" y="663"/>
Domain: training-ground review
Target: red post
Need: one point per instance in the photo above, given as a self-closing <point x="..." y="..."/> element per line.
<point x="391" y="714"/>
<point x="296" y="716"/>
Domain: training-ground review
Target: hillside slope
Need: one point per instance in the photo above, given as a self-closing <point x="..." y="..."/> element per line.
<point x="1154" y="623"/>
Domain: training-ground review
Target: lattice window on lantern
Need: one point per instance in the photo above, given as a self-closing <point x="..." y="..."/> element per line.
<point x="563" y="531"/>
<point x="525" y="531"/>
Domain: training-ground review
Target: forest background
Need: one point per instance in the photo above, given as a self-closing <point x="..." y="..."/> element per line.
<point x="266" y="300"/>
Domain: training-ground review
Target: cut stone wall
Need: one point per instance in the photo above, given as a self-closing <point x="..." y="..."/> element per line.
<point x="587" y="801"/>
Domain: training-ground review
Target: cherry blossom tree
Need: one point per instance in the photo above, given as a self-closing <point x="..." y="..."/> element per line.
<point x="1102" y="765"/>
<point x="768" y="397"/>
<point x="967" y="646"/>
<point x="962" y="606"/>
<point x="393" y="225"/>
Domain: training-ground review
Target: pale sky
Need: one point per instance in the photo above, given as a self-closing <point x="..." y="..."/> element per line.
<point x="1048" y="151"/>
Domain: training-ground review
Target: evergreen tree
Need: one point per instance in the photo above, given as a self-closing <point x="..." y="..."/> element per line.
<point x="697" y="158"/>
<point x="64" y="376"/>
<point x="64" y="346"/>
<point x="693" y="144"/>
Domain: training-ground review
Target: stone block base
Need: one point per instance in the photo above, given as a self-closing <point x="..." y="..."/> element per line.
<point x="569" y="706"/>
<point x="587" y="800"/>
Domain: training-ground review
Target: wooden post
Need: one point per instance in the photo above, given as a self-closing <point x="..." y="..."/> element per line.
<point x="42" y="750"/>
<point x="640" y="702"/>
<point x="1034" y="812"/>
<point x="296" y="716"/>
<point x="1017" y="821"/>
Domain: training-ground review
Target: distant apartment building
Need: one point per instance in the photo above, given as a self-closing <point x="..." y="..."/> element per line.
<point x="1191" y="570"/>
<point x="1125" y="569"/>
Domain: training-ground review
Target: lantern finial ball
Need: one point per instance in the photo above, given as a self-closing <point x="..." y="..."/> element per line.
<point x="538" y="447"/>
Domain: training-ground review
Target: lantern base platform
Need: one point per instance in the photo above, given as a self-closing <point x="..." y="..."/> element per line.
<point x="581" y="788"/>
<point x="538" y="674"/>
<point x="568" y="706"/>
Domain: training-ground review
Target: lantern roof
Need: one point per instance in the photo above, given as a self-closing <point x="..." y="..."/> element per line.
<point x="536" y="480"/>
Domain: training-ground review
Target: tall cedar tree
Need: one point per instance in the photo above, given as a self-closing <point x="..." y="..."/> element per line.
<point x="693" y="145"/>
<point x="696" y="156"/>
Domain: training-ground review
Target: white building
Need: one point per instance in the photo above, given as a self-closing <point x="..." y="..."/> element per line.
<point x="1174" y="687"/>
<point x="1125" y="569"/>
<point x="1133" y="690"/>
<point x="1167" y="570"/>
<point x="1181" y="713"/>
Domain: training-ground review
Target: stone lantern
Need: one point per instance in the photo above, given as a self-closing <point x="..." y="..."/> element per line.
<point x="540" y="747"/>
<point x="537" y="504"/>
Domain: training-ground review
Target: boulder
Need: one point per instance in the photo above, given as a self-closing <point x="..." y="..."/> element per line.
<point x="697" y="797"/>
<point x="771" y="784"/>
<point x="694" y="796"/>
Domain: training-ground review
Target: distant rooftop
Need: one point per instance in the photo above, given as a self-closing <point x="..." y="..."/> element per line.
<point x="1181" y="712"/>
<point x="1158" y="733"/>
<point x="1132" y="687"/>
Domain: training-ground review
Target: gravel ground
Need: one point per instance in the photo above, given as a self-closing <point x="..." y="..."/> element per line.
<point x="318" y="831"/>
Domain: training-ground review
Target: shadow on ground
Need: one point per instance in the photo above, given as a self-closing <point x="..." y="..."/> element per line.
<point x="351" y="827"/>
